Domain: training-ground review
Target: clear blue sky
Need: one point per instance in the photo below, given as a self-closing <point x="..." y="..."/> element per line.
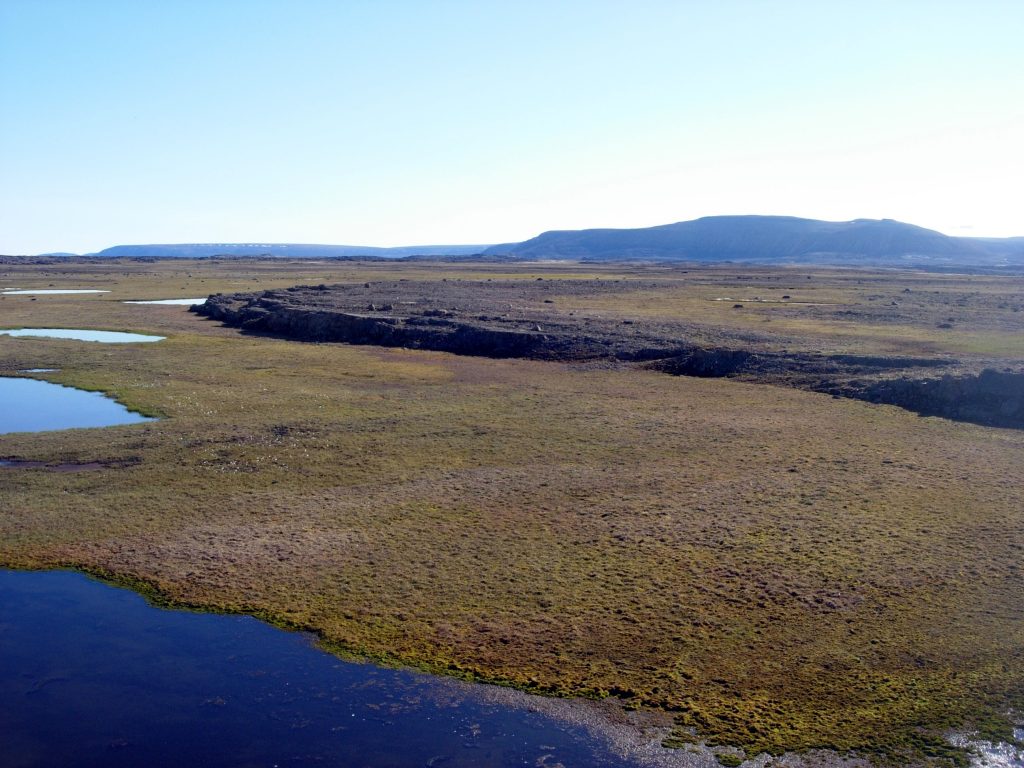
<point x="390" y="123"/>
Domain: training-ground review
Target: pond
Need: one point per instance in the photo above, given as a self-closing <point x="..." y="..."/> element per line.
<point x="31" y="405"/>
<point x="178" y="302"/>
<point x="83" y="334"/>
<point x="50" y="291"/>
<point x="91" y="675"/>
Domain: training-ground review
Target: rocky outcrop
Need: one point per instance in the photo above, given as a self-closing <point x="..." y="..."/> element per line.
<point x="437" y="333"/>
<point x="715" y="362"/>
<point x="476" y="318"/>
<point x="395" y="315"/>
<point x="991" y="397"/>
<point x="994" y="398"/>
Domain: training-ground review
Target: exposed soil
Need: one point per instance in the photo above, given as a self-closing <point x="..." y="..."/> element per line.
<point x="522" y="319"/>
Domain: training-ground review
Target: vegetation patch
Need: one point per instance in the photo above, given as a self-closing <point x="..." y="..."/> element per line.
<point x="779" y="569"/>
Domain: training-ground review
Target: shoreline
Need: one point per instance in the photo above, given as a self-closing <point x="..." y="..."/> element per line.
<point x="634" y="734"/>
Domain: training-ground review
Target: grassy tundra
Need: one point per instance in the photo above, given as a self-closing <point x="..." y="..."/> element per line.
<point x="780" y="569"/>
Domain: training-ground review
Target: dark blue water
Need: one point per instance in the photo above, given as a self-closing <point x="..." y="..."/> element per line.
<point x="30" y="405"/>
<point x="91" y="675"/>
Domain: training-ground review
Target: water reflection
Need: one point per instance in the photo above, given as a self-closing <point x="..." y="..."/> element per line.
<point x="50" y="291"/>
<point x="91" y="675"/>
<point x="82" y="334"/>
<point x="177" y="302"/>
<point x="31" y="405"/>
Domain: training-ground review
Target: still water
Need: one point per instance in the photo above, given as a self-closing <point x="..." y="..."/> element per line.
<point x="30" y="405"/>
<point x="91" y="675"/>
<point x="50" y="291"/>
<point x="178" y="302"/>
<point x="82" y="334"/>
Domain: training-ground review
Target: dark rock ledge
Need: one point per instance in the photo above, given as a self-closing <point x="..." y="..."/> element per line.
<point x="511" y="320"/>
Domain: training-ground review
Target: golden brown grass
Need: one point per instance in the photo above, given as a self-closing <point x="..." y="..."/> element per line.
<point x="848" y="311"/>
<point x="780" y="569"/>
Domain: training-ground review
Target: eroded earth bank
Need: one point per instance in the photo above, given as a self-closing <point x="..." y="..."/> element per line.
<point x="526" y="319"/>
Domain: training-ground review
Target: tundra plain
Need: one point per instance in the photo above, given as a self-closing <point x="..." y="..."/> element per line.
<point x="781" y="570"/>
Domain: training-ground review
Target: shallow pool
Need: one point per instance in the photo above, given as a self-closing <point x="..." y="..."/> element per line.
<point x="50" y="291"/>
<point x="83" y="334"/>
<point x="179" y="302"/>
<point x="31" y="405"/>
<point x="91" y="675"/>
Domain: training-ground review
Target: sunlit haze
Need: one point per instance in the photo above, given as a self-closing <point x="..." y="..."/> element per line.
<point x="395" y="123"/>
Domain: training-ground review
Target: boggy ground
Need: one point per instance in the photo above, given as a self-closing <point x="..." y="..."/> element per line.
<point x="779" y="569"/>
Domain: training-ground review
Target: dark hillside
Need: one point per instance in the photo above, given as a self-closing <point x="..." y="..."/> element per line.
<point x="770" y="239"/>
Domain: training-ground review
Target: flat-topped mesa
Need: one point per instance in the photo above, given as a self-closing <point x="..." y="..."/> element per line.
<point x="521" y="319"/>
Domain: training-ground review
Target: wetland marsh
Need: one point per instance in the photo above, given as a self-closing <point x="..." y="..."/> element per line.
<point x="777" y="569"/>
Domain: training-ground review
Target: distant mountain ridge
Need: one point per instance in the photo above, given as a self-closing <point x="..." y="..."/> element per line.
<point x="754" y="239"/>
<point x="772" y="239"/>
<point x="284" y="250"/>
